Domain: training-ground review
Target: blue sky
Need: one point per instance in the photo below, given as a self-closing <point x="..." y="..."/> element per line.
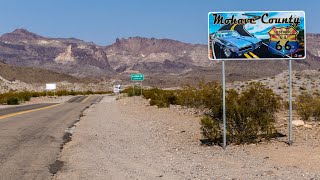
<point x="102" y="21"/>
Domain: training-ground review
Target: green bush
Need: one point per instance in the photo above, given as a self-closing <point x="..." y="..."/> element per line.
<point x="250" y="115"/>
<point x="13" y="101"/>
<point x="210" y="128"/>
<point x="316" y="109"/>
<point x="305" y="106"/>
<point x="308" y="106"/>
<point x="161" y="98"/>
<point x="205" y="95"/>
<point x="131" y="92"/>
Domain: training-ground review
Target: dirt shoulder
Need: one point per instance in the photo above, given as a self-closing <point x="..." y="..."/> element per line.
<point x="128" y="139"/>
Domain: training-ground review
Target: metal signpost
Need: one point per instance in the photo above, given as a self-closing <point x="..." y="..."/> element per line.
<point x="137" y="77"/>
<point x="290" y="102"/>
<point x="267" y="35"/>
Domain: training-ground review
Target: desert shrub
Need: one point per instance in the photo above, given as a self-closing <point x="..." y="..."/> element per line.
<point x="256" y="109"/>
<point x="38" y="94"/>
<point x="22" y="96"/>
<point x="13" y="101"/>
<point x="130" y="92"/>
<point x="89" y="92"/>
<point x="316" y="109"/>
<point x="161" y="98"/>
<point x="305" y="106"/>
<point x="205" y="95"/>
<point x="63" y="93"/>
<point x="11" y="97"/>
<point x="210" y="128"/>
<point x="250" y="115"/>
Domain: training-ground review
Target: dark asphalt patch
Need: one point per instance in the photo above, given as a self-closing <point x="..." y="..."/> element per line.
<point x="77" y="99"/>
<point x="66" y="138"/>
<point x="56" y="166"/>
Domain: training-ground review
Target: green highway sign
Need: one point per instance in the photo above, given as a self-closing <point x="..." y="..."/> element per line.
<point x="137" y="77"/>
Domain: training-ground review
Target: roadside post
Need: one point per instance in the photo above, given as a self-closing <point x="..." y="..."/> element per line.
<point x="224" y="106"/>
<point x="137" y="78"/>
<point x="290" y="102"/>
<point x="256" y="35"/>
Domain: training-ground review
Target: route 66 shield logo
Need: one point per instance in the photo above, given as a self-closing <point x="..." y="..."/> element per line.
<point x="283" y="40"/>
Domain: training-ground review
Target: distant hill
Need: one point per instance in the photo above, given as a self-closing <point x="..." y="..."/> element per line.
<point x="70" y="56"/>
<point x="32" y="75"/>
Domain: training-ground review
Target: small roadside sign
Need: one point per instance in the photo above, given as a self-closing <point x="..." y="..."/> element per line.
<point x="51" y="86"/>
<point x="117" y="89"/>
<point x="137" y="77"/>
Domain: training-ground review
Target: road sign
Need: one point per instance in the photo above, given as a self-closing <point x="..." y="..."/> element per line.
<point x="275" y="35"/>
<point x="117" y="89"/>
<point x="137" y="77"/>
<point x="51" y="86"/>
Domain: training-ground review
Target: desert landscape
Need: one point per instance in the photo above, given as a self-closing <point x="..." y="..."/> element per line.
<point x="89" y="92"/>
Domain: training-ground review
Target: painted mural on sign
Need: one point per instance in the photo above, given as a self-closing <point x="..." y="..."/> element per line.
<point x="273" y="35"/>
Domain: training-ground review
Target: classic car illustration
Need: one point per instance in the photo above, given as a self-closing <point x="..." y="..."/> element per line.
<point x="233" y="44"/>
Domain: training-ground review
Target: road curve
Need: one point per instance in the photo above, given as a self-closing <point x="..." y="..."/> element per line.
<point x="30" y="142"/>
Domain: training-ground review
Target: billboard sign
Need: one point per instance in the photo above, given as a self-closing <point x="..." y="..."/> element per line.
<point x="269" y="35"/>
<point x="51" y="86"/>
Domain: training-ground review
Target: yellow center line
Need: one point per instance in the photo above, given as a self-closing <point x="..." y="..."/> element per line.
<point x="253" y="55"/>
<point x="28" y="111"/>
<point x="247" y="56"/>
<point x="232" y="28"/>
<point x="85" y="99"/>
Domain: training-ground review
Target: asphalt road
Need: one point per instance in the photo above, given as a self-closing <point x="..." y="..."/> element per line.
<point x="31" y="136"/>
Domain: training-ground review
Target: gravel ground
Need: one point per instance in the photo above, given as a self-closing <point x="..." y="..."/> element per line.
<point x="128" y="139"/>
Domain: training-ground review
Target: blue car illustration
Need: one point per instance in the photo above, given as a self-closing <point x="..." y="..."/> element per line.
<point x="233" y="44"/>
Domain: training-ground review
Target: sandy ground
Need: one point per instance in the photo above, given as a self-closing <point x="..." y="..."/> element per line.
<point x="128" y="139"/>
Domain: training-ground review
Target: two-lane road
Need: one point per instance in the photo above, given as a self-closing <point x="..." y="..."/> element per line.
<point x="31" y="136"/>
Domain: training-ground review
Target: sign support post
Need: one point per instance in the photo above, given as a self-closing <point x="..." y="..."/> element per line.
<point x="290" y="102"/>
<point x="224" y="106"/>
<point x="133" y="88"/>
<point x="141" y="88"/>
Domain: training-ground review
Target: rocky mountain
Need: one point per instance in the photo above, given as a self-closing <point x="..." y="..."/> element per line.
<point x="70" y="56"/>
<point x="173" y="62"/>
<point x="138" y="53"/>
<point x="313" y="44"/>
<point x="165" y="62"/>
